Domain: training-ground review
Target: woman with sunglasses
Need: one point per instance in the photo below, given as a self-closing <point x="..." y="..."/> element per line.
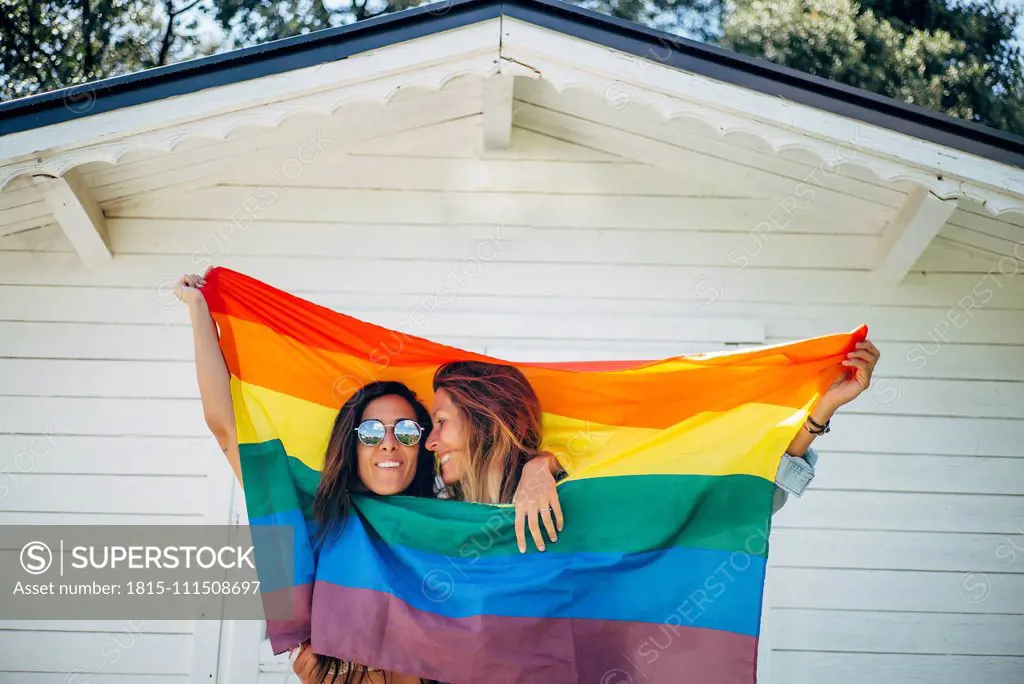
<point x="376" y="445"/>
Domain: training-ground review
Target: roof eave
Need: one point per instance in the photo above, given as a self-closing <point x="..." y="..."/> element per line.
<point x="339" y="43"/>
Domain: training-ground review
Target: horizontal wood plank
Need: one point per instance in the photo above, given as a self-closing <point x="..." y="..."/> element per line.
<point x="852" y="470"/>
<point x="893" y="632"/>
<point x="116" y="653"/>
<point x="887" y="590"/>
<point x="172" y="494"/>
<point x="78" y="518"/>
<point x="87" y="677"/>
<point x="519" y="244"/>
<point x="878" y="510"/>
<point x="128" y="627"/>
<point x="480" y="207"/>
<point x="49" y="454"/>
<point x="876" y="549"/>
<point x="795" y="667"/>
<point x="1002" y="227"/>
<point x="955" y="303"/>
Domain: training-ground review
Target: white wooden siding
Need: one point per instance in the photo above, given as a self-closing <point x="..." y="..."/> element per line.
<point x="971" y="225"/>
<point x="873" y="571"/>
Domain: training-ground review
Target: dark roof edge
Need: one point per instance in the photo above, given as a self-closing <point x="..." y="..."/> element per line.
<point x="338" y="43"/>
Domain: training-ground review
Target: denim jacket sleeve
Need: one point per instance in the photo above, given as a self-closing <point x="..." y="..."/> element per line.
<point x="793" y="476"/>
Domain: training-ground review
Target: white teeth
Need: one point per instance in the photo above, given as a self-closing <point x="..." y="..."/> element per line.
<point x="445" y="458"/>
<point x="389" y="464"/>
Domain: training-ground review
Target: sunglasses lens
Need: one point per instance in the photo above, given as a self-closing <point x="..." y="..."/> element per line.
<point x="407" y="432"/>
<point x="371" y="432"/>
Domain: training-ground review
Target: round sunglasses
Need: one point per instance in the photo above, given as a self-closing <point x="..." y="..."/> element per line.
<point x="407" y="432"/>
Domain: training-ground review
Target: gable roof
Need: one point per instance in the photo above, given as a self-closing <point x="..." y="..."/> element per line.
<point x="339" y="43"/>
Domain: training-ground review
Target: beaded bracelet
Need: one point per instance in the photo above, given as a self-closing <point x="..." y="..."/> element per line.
<point x="819" y="429"/>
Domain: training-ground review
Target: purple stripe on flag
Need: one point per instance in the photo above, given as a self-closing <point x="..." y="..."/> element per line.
<point x="288" y="616"/>
<point x="377" y="629"/>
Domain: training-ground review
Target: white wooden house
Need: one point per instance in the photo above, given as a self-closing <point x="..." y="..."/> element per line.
<point x="586" y="188"/>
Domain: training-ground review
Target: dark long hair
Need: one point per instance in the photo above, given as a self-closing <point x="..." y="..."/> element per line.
<point x="503" y="416"/>
<point x="340" y="478"/>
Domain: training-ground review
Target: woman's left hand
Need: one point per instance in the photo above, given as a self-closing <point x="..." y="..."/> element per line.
<point x="536" y="501"/>
<point x="849" y="385"/>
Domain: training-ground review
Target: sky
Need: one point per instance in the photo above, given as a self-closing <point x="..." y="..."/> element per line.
<point x="1019" y="4"/>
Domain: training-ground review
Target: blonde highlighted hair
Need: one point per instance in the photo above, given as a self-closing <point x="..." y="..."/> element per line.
<point x="503" y="420"/>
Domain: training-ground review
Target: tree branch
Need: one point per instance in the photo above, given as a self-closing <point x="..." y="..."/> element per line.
<point x="89" y="59"/>
<point x="34" y="52"/>
<point x="187" y="7"/>
<point x="168" y="39"/>
<point x="359" y="11"/>
<point x="165" y="44"/>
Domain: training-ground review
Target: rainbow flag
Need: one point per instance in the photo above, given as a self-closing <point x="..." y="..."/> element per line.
<point x="659" y="572"/>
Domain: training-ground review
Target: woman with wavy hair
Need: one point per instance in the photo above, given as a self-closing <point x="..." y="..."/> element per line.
<point x="487" y="436"/>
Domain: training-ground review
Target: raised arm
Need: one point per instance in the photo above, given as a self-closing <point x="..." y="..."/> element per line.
<point x="211" y="370"/>
<point x="797" y="467"/>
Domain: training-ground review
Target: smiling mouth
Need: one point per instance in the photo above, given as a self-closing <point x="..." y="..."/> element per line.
<point x="444" y="459"/>
<point x="388" y="465"/>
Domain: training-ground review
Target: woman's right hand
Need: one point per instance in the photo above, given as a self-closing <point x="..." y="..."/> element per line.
<point x="187" y="288"/>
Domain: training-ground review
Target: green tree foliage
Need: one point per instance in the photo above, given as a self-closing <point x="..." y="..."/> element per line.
<point x="250" y="22"/>
<point x="698" y="19"/>
<point x="52" y="44"/>
<point x="957" y="57"/>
